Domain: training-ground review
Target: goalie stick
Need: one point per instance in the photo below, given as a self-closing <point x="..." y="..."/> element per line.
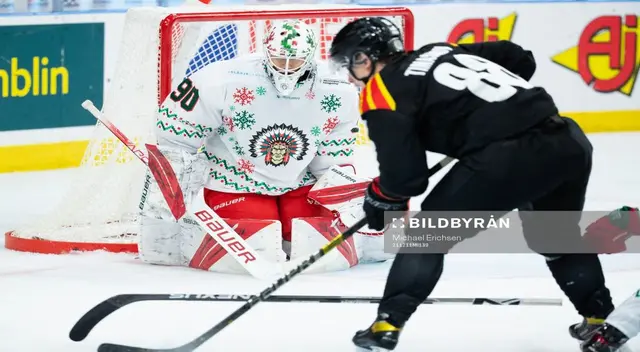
<point x="202" y="214"/>
<point x="262" y="296"/>
<point x="107" y="307"/>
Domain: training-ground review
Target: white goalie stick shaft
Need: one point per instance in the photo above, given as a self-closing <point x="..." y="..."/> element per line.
<point x="200" y="212"/>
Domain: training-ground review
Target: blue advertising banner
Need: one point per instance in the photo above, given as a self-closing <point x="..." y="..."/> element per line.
<point x="47" y="71"/>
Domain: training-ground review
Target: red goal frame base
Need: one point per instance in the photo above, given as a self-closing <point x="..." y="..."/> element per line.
<point x="43" y="246"/>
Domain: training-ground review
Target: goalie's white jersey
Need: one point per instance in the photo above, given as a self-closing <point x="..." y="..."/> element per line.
<point x="256" y="140"/>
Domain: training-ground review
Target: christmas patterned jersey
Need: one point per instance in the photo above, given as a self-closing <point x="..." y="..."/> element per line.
<point x="256" y="140"/>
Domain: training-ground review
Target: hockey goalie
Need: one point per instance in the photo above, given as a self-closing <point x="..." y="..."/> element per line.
<point x="258" y="133"/>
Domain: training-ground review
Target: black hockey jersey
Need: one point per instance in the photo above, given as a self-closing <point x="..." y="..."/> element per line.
<point x="449" y="99"/>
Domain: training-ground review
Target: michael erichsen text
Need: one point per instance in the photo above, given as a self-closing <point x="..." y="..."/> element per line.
<point x="422" y="240"/>
<point x="451" y="223"/>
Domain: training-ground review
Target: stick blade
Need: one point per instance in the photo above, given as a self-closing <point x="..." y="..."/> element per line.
<point x="90" y="319"/>
<point x="95" y="315"/>
<point x="112" y="347"/>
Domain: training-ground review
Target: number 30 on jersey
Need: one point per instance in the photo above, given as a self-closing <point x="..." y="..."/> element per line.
<point x="485" y="79"/>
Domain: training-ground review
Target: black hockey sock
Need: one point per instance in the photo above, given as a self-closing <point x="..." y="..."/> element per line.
<point x="411" y="280"/>
<point x="581" y="279"/>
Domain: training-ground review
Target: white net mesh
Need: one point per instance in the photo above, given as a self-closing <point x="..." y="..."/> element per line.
<point x="103" y="204"/>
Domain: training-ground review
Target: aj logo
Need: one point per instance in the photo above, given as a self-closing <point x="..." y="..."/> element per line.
<point x="607" y="54"/>
<point x="478" y="30"/>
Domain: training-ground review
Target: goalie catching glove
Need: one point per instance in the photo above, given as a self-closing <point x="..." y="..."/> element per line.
<point x="376" y="203"/>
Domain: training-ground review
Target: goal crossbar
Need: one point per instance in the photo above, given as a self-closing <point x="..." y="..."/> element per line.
<point x="167" y="25"/>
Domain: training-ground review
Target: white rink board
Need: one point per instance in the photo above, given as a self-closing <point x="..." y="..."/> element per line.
<point x="547" y="29"/>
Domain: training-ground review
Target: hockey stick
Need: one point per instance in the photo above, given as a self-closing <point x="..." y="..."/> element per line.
<point x="262" y="296"/>
<point x="107" y="307"/>
<point x="202" y="214"/>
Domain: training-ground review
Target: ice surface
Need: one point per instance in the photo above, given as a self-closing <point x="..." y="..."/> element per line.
<point x="42" y="296"/>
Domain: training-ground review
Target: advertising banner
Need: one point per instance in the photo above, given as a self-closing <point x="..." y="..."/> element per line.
<point x="47" y="71"/>
<point x="587" y="54"/>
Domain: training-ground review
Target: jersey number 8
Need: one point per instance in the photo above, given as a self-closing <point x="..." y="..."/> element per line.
<point x="485" y="79"/>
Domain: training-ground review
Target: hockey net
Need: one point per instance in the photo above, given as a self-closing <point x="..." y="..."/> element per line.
<point x="158" y="47"/>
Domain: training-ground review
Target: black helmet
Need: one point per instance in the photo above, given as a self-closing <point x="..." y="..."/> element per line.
<point x="375" y="37"/>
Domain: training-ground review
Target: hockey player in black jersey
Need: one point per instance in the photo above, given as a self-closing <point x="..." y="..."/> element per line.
<point x="474" y="103"/>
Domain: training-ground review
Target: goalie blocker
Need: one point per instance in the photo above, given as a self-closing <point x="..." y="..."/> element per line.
<point x="339" y="194"/>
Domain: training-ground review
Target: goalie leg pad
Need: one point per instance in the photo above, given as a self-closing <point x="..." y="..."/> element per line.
<point x="312" y="233"/>
<point x="160" y="242"/>
<point x="371" y="248"/>
<point x="264" y="236"/>
<point x="342" y="192"/>
<point x="309" y="234"/>
<point x="254" y="217"/>
<point x="161" y="236"/>
<point x="185" y="244"/>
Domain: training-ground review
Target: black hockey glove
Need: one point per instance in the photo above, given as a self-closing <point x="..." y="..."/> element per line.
<point x="376" y="203"/>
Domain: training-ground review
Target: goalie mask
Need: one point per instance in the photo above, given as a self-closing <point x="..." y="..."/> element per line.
<point x="289" y="50"/>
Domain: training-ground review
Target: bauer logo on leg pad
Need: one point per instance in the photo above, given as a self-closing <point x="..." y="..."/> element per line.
<point x="264" y="236"/>
<point x="218" y="231"/>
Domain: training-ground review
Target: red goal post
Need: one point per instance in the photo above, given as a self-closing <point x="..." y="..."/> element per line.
<point x="159" y="46"/>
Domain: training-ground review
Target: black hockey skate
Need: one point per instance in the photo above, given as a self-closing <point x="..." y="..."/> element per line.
<point x="605" y="339"/>
<point x="381" y="336"/>
<point x="584" y="330"/>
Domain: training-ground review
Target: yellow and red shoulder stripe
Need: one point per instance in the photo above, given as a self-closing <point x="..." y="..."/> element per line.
<point x="375" y="95"/>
